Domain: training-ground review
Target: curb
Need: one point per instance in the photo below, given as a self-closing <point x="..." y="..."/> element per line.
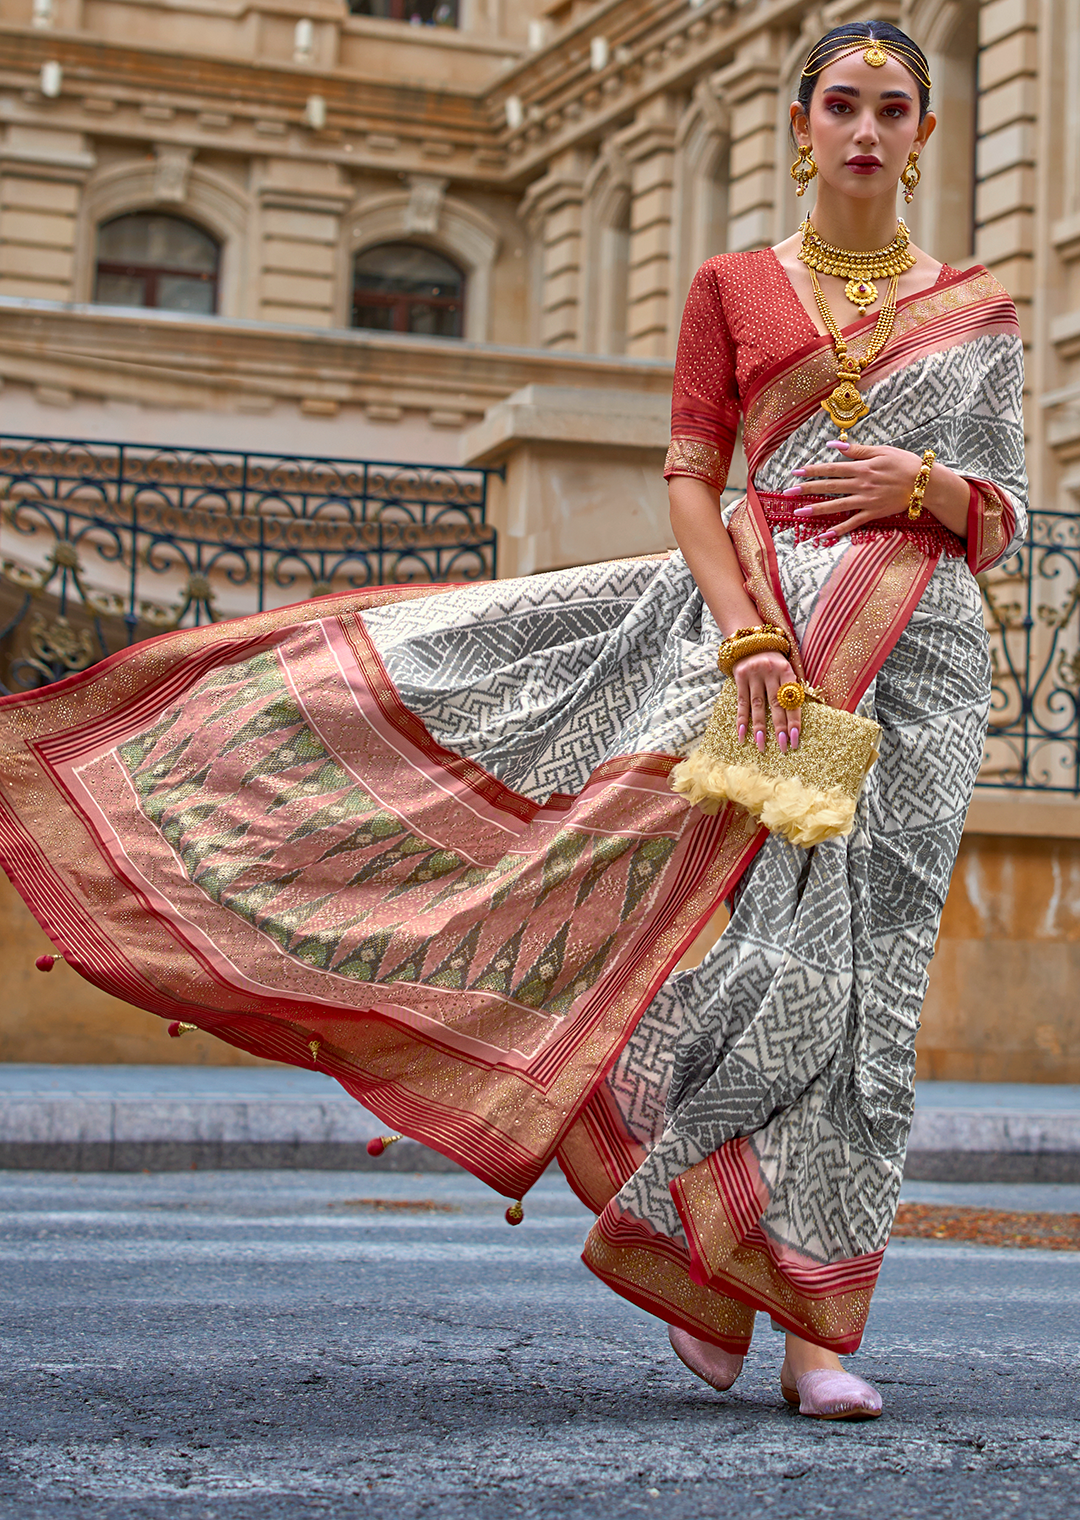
<point x="326" y="1130"/>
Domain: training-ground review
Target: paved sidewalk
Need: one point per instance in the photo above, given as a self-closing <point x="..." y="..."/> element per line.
<point x="268" y="1346"/>
<point x="171" y="1118"/>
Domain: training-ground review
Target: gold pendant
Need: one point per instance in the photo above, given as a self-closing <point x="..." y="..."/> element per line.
<point x="845" y="406"/>
<point x="861" y="293"/>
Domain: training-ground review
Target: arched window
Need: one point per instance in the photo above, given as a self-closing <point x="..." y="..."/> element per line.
<point x="419" y="12"/>
<point x="400" y="287"/>
<point x="149" y="259"/>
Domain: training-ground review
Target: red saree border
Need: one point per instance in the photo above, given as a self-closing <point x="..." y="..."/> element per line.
<point x="844" y="648"/>
<point x="655" y="1273"/>
<point x="719" y="1202"/>
<point x="991" y="524"/>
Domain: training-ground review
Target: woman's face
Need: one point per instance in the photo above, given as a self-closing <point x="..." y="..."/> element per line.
<point x="863" y="123"/>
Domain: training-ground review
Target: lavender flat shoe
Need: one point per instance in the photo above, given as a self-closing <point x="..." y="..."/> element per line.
<point x="712" y="1364"/>
<point x="826" y="1395"/>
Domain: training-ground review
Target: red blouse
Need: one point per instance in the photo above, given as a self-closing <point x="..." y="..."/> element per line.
<point x="742" y="316"/>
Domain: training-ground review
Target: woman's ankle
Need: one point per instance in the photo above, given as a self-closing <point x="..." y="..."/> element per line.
<point x="804" y="1356"/>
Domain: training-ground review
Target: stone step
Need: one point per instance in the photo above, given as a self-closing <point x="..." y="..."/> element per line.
<point x="173" y="1118"/>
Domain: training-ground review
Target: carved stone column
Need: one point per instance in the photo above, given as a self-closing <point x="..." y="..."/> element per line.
<point x="42" y="170"/>
<point x="300" y="207"/>
<point x="649" y="149"/>
<point x="749" y="87"/>
<point x="1006" y="153"/>
<point x="552" y="210"/>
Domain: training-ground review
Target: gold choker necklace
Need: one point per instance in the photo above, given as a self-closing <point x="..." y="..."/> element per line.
<point x="860" y="270"/>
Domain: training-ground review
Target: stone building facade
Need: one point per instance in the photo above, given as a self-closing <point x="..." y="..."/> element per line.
<point x="574" y="162"/>
<point x="203" y="204"/>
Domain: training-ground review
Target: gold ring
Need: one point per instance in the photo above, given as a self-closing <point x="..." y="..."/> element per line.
<point x="791" y="695"/>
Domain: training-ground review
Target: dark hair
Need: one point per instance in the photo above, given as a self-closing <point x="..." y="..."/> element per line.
<point x="882" y="31"/>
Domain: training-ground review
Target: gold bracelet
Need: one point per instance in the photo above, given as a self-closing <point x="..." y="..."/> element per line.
<point x="748" y="641"/>
<point x="918" y="490"/>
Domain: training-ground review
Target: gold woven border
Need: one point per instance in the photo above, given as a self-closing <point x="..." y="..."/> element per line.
<point x="688" y="456"/>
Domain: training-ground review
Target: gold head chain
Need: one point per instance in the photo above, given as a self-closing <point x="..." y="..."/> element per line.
<point x="876" y="52"/>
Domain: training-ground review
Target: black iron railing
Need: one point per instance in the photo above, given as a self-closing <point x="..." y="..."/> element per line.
<point x="1032" y="607"/>
<point x="107" y="543"/>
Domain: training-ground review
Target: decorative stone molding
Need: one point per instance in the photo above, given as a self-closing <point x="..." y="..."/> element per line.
<point x="171" y="172"/>
<point x="210" y="199"/>
<point x="426" y="196"/>
<point x="460" y="231"/>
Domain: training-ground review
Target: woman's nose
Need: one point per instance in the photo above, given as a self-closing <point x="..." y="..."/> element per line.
<point x="866" y="128"/>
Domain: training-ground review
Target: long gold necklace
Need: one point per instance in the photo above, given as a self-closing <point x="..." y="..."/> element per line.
<point x="859" y="268"/>
<point x="846" y="406"/>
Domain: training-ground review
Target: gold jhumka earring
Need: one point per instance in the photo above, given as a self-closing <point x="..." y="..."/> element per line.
<point x="803" y="170"/>
<point x="911" y="175"/>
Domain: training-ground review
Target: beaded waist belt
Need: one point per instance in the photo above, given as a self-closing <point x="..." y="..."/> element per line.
<point x="929" y="535"/>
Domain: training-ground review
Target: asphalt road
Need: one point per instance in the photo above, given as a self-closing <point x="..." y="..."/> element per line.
<point x="234" y="1346"/>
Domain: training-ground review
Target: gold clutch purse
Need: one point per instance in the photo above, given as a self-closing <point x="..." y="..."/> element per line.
<point x="807" y="795"/>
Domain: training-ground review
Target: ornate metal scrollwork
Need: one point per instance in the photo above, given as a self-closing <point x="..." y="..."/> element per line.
<point x="1032" y="606"/>
<point x="134" y="541"/>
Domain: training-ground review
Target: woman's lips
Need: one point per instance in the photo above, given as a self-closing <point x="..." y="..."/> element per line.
<point x="864" y="165"/>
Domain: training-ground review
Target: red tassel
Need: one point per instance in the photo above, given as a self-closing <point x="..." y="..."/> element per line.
<point x="176" y="1029"/>
<point x="515" y="1213"/>
<point x="46" y="962"/>
<point x="376" y="1147"/>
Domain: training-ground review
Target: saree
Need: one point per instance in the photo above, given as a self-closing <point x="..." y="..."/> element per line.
<point x="423" y="839"/>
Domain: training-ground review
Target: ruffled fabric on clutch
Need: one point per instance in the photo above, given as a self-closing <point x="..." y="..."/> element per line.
<point x="806" y="795"/>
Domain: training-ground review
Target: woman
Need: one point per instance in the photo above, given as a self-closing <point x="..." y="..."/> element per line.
<point x="424" y="839"/>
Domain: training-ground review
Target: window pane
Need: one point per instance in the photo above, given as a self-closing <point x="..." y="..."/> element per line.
<point x="178" y="294"/>
<point x="435" y="321"/>
<point x="405" y="269"/>
<point x="381" y="318"/>
<point x="427" y="12"/>
<point x="166" y="241"/>
<point x="120" y="289"/>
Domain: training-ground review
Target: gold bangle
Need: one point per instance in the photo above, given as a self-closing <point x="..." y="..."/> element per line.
<point x="760" y="641"/>
<point x="918" y="490"/>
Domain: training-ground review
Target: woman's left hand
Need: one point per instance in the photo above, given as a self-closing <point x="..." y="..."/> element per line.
<point x="868" y="481"/>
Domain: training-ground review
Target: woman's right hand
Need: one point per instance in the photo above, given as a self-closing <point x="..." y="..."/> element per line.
<point x="758" y="677"/>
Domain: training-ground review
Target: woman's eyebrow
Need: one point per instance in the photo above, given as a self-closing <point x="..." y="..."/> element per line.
<point x="850" y="89"/>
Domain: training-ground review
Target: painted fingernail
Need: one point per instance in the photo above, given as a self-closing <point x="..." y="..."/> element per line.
<point x="759" y="739"/>
<point x="837" y="443"/>
<point x="792" y="491"/>
<point x="781" y="740"/>
<point x="742" y="733"/>
<point x="794" y="738"/>
<point x="800" y="471"/>
<point x="803" y="512"/>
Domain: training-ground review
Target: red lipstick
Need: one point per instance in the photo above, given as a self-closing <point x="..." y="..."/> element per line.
<point x="864" y="163"/>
